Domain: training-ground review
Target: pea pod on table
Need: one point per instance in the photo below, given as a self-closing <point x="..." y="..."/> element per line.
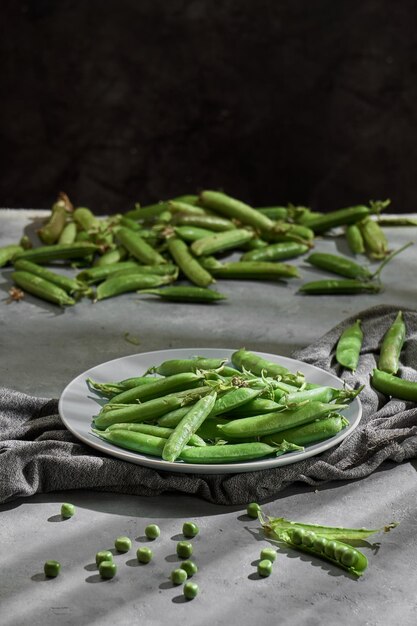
<point x="183" y="293"/>
<point x="391" y="346"/>
<point x="349" y="346"/>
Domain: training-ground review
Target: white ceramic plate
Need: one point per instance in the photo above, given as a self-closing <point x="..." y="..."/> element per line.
<point x="78" y="405"/>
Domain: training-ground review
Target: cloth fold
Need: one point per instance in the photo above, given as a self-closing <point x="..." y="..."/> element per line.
<point x="38" y="454"/>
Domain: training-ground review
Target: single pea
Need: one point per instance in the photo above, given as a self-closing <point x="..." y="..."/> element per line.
<point x="122" y="544"/>
<point x="349" y="558"/>
<point x="320" y="544"/>
<point x="252" y="509"/>
<point x="189" y="529"/>
<point x="265" y="567"/>
<point x="297" y="536"/>
<point x="103" y="555"/>
<point x="308" y="539"/>
<point x="152" y="531"/>
<point x="144" y="554"/>
<point x="190" y="590"/>
<point x="190" y="567"/>
<point x="339" y="551"/>
<point x="179" y="576"/>
<point x="52" y="568"/>
<point x="107" y="569"/>
<point x="330" y="548"/>
<point x="268" y="553"/>
<point x="184" y="549"/>
<point x="67" y="510"/>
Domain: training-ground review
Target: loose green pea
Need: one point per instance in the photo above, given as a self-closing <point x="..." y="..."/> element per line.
<point x="123" y="544"/>
<point x="190" y="590"/>
<point x="144" y="554"/>
<point x="184" y="549"/>
<point x="189" y="529"/>
<point x="265" y="567"/>
<point x="268" y="554"/>
<point x="179" y="576"/>
<point x="190" y="567"/>
<point x="67" y="510"/>
<point x="152" y="531"/>
<point x="103" y="555"/>
<point x="107" y="569"/>
<point x="252" y="509"/>
<point x="52" y="568"/>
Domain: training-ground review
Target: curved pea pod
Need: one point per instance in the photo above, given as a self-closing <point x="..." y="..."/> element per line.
<point x="176" y="366"/>
<point x="315" y="431"/>
<point x="257" y="406"/>
<point x="112" y="388"/>
<point x="354" y="239"/>
<point x="337" y="552"/>
<point x="180" y="293"/>
<point x="276" y="421"/>
<point x="235" y="452"/>
<point x="391" y="346"/>
<point x="244" y="359"/>
<point x="160" y="386"/>
<point x="68" y="233"/>
<point x="85" y="218"/>
<point x="235" y="209"/>
<point x="41" y="288"/>
<point x="7" y="253"/>
<point x="147" y="213"/>
<point x="391" y="385"/>
<point x="187" y="427"/>
<point x="219" y="242"/>
<point x="70" y="285"/>
<point x="58" y="252"/>
<point x="50" y="232"/>
<point x="192" y="233"/>
<point x="349" y="346"/>
<point x="346" y="286"/>
<point x="188" y="264"/>
<point x="114" y="286"/>
<point x="276" y="252"/>
<point x="179" y="206"/>
<point x="338" y="264"/>
<point x="341" y="217"/>
<point x="255" y="270"/>
<point x="376" y="243"/>
<point x="138" y="247"/>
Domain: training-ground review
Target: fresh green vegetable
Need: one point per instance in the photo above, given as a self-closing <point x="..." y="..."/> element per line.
<point x="265" y="567"/>
<point x="190" y="529"/>
<point x="349" y="346"/>
<point x="67" y="510"/>
<point x="144" y="554"/>
<point x="391" y="346"/>
<point x="152" y="531"/>
<point x="178" y="576"/>
<point x="103" y="555"/>
<point x="51" y="568"/>
<point x="123" y="544"/>
<point x="190" y="567"/>
<point x="191" y="590"/>
<point x="107" y="569"/>
<point x="184" y="549"/>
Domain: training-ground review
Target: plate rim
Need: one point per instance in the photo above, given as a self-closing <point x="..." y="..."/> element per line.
<point x="181" y="467"/>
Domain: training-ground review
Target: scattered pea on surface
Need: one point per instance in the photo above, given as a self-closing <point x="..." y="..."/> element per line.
<point x="179" y="576"/>
<point x="190" y="529"/>
<point x="152" y="531"/>
<point x="67" y="510"/>
<point x="190" y="590"/>
<point x="184" y="549"/>
<point x="107" y="569"/>
<point x="51" y="568"/>
<point x="190" y="567"/>
<point x="268" y="553"/>
<point x="144" y="554"/>
<point x="103" y="555"/>
<point x="265" y="567"/>
<point x="123" y="544"/>
<point x="252" y="509"/>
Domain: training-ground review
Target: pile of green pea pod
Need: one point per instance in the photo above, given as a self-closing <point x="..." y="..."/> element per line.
<point x="148" y="248"/>
<point x="201" y="410"/>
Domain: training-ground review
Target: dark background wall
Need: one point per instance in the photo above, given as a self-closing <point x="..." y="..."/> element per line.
<point x="303" y="101"/>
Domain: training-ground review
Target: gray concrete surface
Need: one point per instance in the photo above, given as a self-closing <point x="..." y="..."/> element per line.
<point x="43" y="348"/>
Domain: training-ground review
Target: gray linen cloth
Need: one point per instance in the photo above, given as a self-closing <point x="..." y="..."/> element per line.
<point x="38" y="454"/>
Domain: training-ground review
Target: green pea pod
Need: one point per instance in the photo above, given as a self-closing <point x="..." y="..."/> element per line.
<point x="179" y="293"/>
<point x="391" y="385"/>
<point x="234" y="399"/>
<point x="147" y="213"/>
<point x="110" y="389"/>
<point x="319" y="393"/>
<point x="114" y="286"/>
<point x="157" y="431"/>
<point x="68" y="233"/>
<point x="346" y="286"/>
<point x="255" y="270"/>
<point x="354" y="239"/>
<point x="41" y="288"/>
<point x="85" y="219"/>
<point x="160" y="386"/>
<point x="50" y="232"/>
<point x="114" y="255"/>
<point x="269" y="423"/>
<point x="244" y="359"/>
<point x="181" y="434"/>
<point x="341" y="217"/>
<point x="276" y="252"/>
<point x="257" y="406"/>
<point x="219" y="242"/>
<point x="177" y="206"/>
<point x="338" y="264"/>
<point x="376" y="243"/>
<point x="188" y="264"/>
<point x="7" y="253"/>
<point x="210" y="222"/>
<point x="235" y="209"/>
<point x="304" y="435"/>
<point x="192" y="233"/>
<point x="391" y="346"/>
<point x="176" y="366"/>
<point x="70" y="285"/>
<point x="173" y="418"/>
<point x="231" y="453"/>
<point x="349" y="346"/>
<point x="274" y="212"/>
<point x="58" y="252"/>
<point x="98" y="273"/>
<point x="139" y="248"/>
